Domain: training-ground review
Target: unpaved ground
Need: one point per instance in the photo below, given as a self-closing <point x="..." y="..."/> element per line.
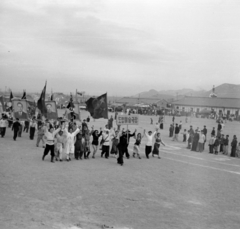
<point x="182" y="190"/>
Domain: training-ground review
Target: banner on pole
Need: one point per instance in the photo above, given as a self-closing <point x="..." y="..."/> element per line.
<point x="127" y="119"/>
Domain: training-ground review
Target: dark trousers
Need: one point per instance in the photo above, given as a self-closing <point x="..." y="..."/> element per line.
<point x="221" y="148"/>
<point x="15" y="134"/>
<point x="105" y="150"/>
<point x="3" y="131"/>
<point x="26" y="129"/>
<point x="184" y="138"/>
<point x="148" y="150"/>
<point x="120" y="156"/>
<point x="20" y="131"/>
<point x="47" y="149"/>
<point x="210" y="148"/>
<point x="32" y="132"/>
<point x="10" y="124"/>
<point x="78" y="154"/>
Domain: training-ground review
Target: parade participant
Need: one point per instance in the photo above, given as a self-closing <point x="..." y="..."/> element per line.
<point x="15" y="127"/>
<point x="222" y="140"/>
<point x="234" y="144"/>
<point x="238" y="150"/>
<point x="161" y="124"/>
<point x="84" y="124"/>
<point x="225" y="146"/>
<point x="216" y="145"/>
<point x="60" y="140"/>
<point x="86" y="135"/>
<point x="122" y="146"/>
<point x="50" y="140"/>
<point x="20" y="129"/>
<point x="180" y="126"/>
<point x="195" y="141"/>
<point x="148" y="147"/>
<point x="185" y="135"/>
<point x="213" y="131"/>
<point x="26" y="126"/>
<point x="33" y="127"/>
<point x="115" y="141"/>
<point x="211" y="143"/>
<point x="157" y="143"/>
<point x="96" y="135"/>
<point x="151" y="121"/>
<point x="201" y="142"/>
<point x="177" y="129"/>
<point x="70" y="141"/>
<point x="171" y="129"/>
<point x="110" y="122"/>
<point x="136" y="147"/>
<point x="205" y="133"/>
<point x="129" y="135"/>
<point x="41" y="132"/>
<point x="105" y="143"/>
<point x="3" y="126"/>
<point x="79" y="146"/>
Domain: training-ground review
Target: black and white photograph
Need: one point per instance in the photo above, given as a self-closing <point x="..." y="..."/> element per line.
<point x="120" y="114"/>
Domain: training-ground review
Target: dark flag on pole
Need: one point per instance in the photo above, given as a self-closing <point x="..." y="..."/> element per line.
<point x="41" y="101"/>
<point x="97" y="107"/>
<point x="24" y="95"/>
<point x="11" y="96"/>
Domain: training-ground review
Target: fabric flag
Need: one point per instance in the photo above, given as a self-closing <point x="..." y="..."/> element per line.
<point x="41" y="101"/>
<point x="97" y="107"/>
<point x="70" y="104"/>
<point x="2" y="106"/>
<point x="11" y="96"/>
<point x="80" y="93"/>
<point x="24" y="95"/>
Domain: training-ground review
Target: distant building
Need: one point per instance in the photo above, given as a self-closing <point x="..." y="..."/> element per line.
<point x="226" y="106"/>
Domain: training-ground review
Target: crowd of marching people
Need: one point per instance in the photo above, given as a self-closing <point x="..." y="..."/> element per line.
<point x="66" y="139"/>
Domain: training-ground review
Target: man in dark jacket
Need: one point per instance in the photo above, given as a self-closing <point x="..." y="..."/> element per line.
<point x="176" y="132"/>
<point x="15" y="127"/>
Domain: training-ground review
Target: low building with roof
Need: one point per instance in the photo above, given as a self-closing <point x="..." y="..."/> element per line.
<point x="226" y="106"/>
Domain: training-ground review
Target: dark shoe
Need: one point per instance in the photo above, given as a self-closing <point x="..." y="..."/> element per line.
<point x="93" y="156"/>
<point x="60" y="160"/>
<point x="67" y="159"/>
<point x="43" y="157"/>
<point x="139" y="157"/>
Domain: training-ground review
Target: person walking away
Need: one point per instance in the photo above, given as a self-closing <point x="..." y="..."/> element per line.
<point x="15" y="127"/>
<point x="225" y="146"/>
<point x="201" y="142"/>
<point x="211" y="144"/>
<point x="33" y="127"/>
<point x="40" y="136"/>
<point x="95" y="141"/>
<point x="50" y="139"/>
<point x="136" y="146"/>
<point x="3" y="126"/>
<point x="176" y="133"/>
<point x="26" y="126"/>
<point x="157" y="143"/>
<point x="234" y="146"/>
<point x="106" y="143"/>
<point x="148" y="147"/>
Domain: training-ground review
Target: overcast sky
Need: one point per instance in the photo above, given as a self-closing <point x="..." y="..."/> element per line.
<point x="122" y="47"/>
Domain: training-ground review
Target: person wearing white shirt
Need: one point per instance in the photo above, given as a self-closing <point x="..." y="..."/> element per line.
<point x="105" y="143"/>
<point x="33" y="127"/>
<point x="70" y="141"/>
<point x="50" y="139"/>
<point x="3" y="125"/>
<point x="148" y="147"/>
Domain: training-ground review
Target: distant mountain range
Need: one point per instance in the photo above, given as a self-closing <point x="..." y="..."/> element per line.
<point x="223" y="90"/>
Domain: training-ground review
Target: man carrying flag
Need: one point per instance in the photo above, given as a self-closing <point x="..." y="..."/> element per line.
<point x="97" y="107"/>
